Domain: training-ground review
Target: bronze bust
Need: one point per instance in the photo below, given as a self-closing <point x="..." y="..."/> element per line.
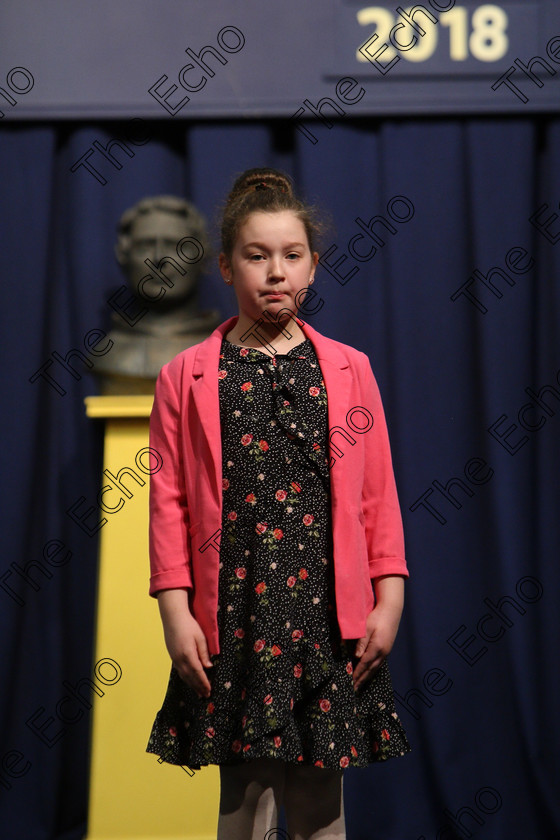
<point x="161" y="247"/>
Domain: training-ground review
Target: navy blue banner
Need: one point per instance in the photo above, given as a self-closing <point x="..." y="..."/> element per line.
<point x="180" y="59"/>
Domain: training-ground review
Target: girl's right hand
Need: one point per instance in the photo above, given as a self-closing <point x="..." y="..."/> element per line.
<point x="185" y="640"/>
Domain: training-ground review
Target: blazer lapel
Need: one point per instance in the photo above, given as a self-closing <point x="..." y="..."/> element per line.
<point x="205" y="395"/>
<point x="334" y="367"/>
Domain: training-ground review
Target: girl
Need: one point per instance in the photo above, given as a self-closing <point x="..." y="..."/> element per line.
<point x="276" y="542"/>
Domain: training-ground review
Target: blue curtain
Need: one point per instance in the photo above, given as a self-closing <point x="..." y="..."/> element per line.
<point x="455" y="299"/>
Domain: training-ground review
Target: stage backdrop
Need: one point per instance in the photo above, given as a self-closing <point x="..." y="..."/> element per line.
<point x="455" y="299"/>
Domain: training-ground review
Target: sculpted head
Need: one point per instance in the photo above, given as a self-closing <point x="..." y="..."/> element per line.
<point x="163" y="228"/>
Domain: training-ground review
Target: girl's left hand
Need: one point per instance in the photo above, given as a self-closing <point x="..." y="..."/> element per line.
<point x="372" y="649"/>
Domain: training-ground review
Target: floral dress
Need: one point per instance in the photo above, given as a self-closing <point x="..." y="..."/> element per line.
<point x="282" y="684"/>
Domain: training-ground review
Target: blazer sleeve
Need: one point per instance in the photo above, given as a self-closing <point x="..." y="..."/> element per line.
<point x="170" y="563"/>
<point x="380" y="503"/>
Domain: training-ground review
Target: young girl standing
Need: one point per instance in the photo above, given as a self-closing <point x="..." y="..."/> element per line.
<point x="276" y="541"/>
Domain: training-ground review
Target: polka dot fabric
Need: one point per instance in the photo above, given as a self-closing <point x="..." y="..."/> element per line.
<point x="282" y="683"/>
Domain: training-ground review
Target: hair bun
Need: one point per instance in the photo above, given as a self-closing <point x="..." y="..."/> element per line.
<point x="261" y="179"/>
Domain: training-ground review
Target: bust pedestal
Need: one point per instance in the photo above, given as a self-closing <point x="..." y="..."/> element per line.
<point x="132" y="795"/>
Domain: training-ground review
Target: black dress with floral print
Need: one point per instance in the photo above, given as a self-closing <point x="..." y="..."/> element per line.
<point x="282" y="683"/>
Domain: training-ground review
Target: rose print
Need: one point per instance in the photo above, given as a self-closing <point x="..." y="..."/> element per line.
<point x="271" y="538"/>
<point x="268" y="699"/>
<point x="259" y="448"/>
<point x="251" y="498"/>
<point x="222" y="374"/>
<point x="235" y="585"/>
<point x="290" y="497"/>
<point x="295" y="584"/>
<point x="230" y="529"/>
<point x="246" y="439"/>
<point x="321" y="393"/>
<point x="297" y="634"/>
<point x="308" y="520"/>
<point x="260" y="589"/>
<point x="298" y="670"/>
<point x="277" y="740"/>
<point x="324" y="705"/>
<point x="225" y="484"/>
<point x="344" y="761"/>
<point x="239" y="633"/>
<point x="258" y="646"/>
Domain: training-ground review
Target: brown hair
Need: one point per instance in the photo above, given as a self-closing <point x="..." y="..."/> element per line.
<point x="264" y="190"/>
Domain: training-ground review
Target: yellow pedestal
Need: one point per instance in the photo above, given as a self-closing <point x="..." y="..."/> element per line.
<point x="131" y="794"/>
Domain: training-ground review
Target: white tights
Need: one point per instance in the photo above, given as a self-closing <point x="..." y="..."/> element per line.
<point x="251" y="795"/>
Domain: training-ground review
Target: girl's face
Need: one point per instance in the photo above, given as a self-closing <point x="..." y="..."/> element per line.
<point x="270" y="263"/>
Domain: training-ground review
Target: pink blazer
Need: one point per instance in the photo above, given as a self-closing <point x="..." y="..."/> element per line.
<point x="186" y="492"/>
